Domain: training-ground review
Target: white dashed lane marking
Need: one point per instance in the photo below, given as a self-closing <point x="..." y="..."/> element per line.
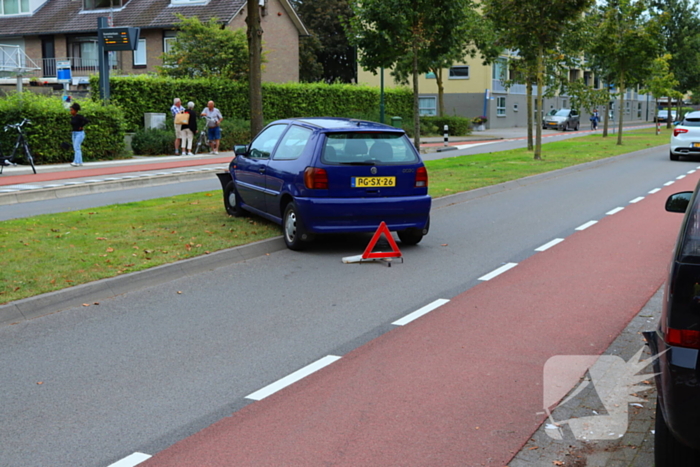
<point x="292" y="378"/>
<point x="420" y="312"/>
<point x="132" y="460"/>
<point x="498" y="271"/>
<point x="548" y="245"/>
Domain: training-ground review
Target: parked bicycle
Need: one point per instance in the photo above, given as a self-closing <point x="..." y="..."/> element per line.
<point x="202" y="140"/>
<point x="22" y="142"/>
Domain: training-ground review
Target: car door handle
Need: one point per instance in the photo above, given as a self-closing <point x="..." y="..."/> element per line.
<point x="261" y="170"/>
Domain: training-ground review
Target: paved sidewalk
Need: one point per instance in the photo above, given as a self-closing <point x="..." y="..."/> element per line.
<point x="636" y="447"/>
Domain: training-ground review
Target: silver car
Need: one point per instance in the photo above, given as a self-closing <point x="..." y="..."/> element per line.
<point x="562" y="120"/>
<point x="685" y="140"/>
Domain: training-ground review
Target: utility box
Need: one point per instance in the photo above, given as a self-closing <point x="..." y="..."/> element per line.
<point x="396" y="122"/>
<point x="154" y="120"/>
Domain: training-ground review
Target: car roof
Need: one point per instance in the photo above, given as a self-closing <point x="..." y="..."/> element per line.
<point x="695" y="114"/>
<point x="339" y="123"/>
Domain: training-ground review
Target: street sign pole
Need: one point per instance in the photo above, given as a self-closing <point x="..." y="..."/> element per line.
<point x="103" y="56"/>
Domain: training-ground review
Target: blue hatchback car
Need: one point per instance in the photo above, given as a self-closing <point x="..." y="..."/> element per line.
<point x="330" y="175"/>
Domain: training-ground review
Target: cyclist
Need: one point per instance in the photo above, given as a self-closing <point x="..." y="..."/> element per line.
<point x="595" y="118"/>
<point x="77" y="122"/>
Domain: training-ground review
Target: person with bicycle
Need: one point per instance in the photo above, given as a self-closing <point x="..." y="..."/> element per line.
<point x="78" y="123"/>
<point x="214" y="118"/>
<point x="189" y="130"/>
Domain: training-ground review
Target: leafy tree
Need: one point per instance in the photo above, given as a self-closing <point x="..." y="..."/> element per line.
<point x="535" y="27"/>
<point x="326" y="55"/>
<point x="206" y="50"/>
<point x="662" y="82"/>
<point x="626" y="42"/>
<point x="393" y="32"/>
<point x="680" y="36"/>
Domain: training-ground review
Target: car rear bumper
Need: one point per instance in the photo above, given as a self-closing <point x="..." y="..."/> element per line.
<point x="685" y="150"/>
<point x="677" y="382"/>
<point x="339" y="215"/>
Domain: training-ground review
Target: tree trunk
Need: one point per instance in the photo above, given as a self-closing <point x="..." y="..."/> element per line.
<point x="441" y="92"/>
<point x="621" y="109"/>
<point x="416" y="116"/>
<point x="606" y="118"/>
<point x="540" y="102"/>
<point x="656" y="123"/>
<point x="255" y="33"/>
<point x="528" y="87"/>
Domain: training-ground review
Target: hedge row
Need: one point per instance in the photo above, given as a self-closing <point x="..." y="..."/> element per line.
<point x="50" y="126"/>
<point x="147" y="93"/>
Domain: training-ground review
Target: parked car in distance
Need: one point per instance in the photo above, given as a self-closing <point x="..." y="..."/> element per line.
<point x="662" y="116"/>
<point x="676" y="345"/>
<point x="685" y="139"/>
<point x="330" y="175"/>
<point x="562" y="119"/>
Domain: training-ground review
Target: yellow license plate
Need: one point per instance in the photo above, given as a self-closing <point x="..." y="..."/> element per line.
<point x="371" y="182"/>
<point x="696" y="145"/>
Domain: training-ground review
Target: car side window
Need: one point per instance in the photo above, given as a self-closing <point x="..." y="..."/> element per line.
<point x="265" y="143"/>
<point x="293" y="143"/>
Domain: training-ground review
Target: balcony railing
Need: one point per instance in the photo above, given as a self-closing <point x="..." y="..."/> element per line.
<point x="79" y="66"/>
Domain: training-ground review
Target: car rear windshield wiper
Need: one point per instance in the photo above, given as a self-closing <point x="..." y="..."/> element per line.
<point x="359" y="163"/>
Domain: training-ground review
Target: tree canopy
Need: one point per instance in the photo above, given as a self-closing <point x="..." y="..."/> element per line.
<point x="326" y="54"/>
<point x="206" y="50"/>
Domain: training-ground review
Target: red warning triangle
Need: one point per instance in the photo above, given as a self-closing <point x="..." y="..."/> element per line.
<point x="394" y="253"/>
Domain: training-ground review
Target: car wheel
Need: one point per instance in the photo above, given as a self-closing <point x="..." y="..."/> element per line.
<point x="413" y="236"/>
<point x="668" y="451"/>
<point x="673" y="157"/>
<point x="576" y="126"/>
<point x="566" y="127"/>
<point x="295" y="234"/>
<point x="231" y="202"/>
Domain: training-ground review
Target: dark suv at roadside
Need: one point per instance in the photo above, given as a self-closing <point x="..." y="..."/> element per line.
<point x="676" y="343"/>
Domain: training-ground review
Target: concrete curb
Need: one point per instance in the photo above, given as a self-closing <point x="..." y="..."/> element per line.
<point x="52" y="302"/>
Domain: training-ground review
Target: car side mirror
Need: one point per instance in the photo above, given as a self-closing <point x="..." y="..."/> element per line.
<point x="678" y="202"/>
<point x="240" y="149"/>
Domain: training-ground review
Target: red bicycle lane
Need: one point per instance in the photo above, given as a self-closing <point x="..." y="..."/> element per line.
<point x="462" y="385"/>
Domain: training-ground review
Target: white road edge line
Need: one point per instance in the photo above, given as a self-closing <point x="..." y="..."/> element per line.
<point x="132" y="460"/>
<point x="546" y="246"/>
<point x="292" y="378"/>
<point x="655" y="190"/>
<point x="498" y="271"/>
<point x="586" y="225"/>
<point x="669" y="183"/>
<point x="636" y="200"/>
<point x="420" y="312"/>
<point x="680" y="177"/>
<point x="614" y="211"/>
<point x="691" y="171"/>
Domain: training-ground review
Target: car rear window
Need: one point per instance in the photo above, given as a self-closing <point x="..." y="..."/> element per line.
<point x="368" y="149"/>
<point x="691" y="122"/>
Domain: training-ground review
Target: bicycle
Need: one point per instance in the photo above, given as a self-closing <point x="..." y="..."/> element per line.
<point x="21" y="141"/>
<point x="202" y="139"/>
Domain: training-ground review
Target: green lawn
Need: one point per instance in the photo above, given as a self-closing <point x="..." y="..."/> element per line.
<point x="53" y="251"/>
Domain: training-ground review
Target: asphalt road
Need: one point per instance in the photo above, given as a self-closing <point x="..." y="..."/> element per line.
<point x="139" y="372"/>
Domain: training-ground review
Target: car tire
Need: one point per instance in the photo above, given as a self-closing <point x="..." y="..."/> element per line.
<point x="576" y="126"/>
<point x="293" y="230"/>
<point x="231" y="201"/>
<point x="668" y="451"/>
<point x="565" y="127"/>
<point x="413" y="236"/>
<point x="674" y="157"/>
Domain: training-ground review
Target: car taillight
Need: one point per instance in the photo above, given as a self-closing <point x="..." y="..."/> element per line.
<point x="315" y="178"/>
<point x="683" y="338"/>
<point x="678" y="131"/>
<point x="421" y="178"/>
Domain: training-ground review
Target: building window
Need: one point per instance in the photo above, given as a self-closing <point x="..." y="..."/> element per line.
<point x="459" y="72"/>
<point x="14" y="7"/>
<point x="169" y="38"/>
<point x="499" y="69"/>
<point x="596" y="82"/>
<point x="639" y="110"/>
<point x="101" y="4"/>
<point x="500" y="106"/>
<point x="563" y="104"/>
<point x="140" y="53"/>
<point x="627" y="107"/>
<point x="427" y="106"/>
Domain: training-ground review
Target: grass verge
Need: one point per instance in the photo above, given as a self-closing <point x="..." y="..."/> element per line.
<point x="54" y="251"/>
